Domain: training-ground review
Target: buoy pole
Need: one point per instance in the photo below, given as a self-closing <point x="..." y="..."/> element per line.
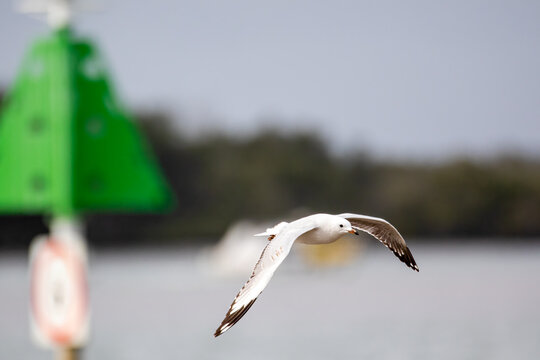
<point x="67" y="353"/>
<point x="69" y="230"/>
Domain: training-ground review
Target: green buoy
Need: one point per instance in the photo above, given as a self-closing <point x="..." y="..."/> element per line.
<point x="66" y="144"/>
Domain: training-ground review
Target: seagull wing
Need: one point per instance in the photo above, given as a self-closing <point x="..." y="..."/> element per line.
<point x="383" y="231"/>
<point x="272" y="256"/>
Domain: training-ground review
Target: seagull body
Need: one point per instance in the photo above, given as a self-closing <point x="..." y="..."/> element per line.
<point x="313" y="229"/>
<point x="321" y="230"/>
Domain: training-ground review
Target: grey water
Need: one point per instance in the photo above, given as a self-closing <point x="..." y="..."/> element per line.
<point x="476" y="302"/>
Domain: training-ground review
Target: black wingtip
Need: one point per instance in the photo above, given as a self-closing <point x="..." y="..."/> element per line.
<point x="232" y="318"/>
<point x="407" y="258"/>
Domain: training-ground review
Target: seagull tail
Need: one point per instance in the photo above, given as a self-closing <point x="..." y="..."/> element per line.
<point x="263" y="234"/>
<point x="273" y="231"/>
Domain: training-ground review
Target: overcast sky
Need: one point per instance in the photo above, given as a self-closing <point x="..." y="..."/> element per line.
<point x="424" y="79"/>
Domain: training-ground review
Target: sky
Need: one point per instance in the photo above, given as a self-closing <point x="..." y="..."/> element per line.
<point x="415" y="79"/>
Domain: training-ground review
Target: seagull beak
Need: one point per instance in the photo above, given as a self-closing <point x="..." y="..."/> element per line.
<point x="352" y="231"/>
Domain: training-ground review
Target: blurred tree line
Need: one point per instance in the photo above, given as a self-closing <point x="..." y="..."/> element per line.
<point x="219" y="179"/>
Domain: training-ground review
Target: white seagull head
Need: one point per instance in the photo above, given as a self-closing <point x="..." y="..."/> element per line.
<point x="341" y="225"/>
<point x="333" y="226"/>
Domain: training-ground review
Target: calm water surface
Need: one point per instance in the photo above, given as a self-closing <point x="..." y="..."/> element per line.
<point x="467" y="302"/>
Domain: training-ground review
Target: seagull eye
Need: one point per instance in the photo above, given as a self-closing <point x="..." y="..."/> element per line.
<point x="340" y="225"/>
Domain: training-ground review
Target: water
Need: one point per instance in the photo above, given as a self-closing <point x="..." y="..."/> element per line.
<point x="467" y="302"/>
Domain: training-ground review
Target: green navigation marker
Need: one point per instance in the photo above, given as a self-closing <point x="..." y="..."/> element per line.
<point x="66" y="144"/>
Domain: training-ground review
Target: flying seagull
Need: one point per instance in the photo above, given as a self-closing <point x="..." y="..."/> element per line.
<point x="313" y="229"/>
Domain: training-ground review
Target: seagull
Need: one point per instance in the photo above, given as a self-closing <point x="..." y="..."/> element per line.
<point x="313" y="229"/>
